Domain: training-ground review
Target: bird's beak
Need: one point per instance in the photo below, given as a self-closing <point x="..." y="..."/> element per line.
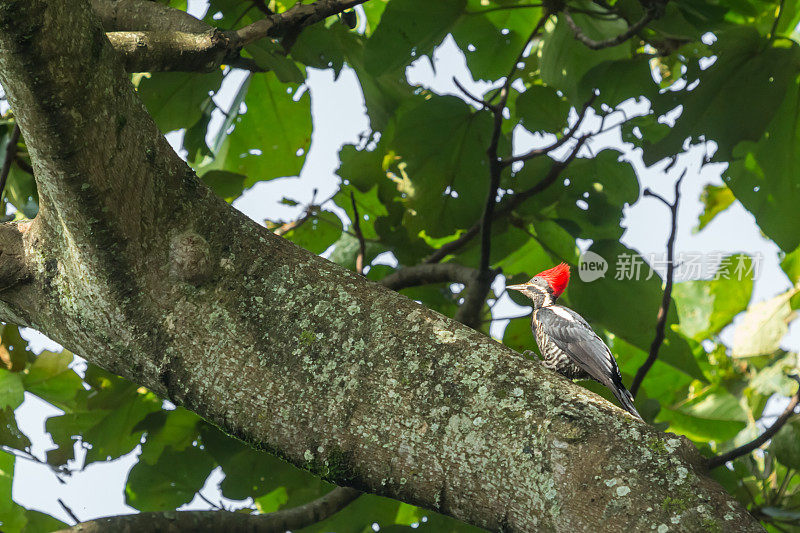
<point x="520" y="288"/>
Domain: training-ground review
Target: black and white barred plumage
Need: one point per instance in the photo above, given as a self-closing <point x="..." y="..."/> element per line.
<point x="567" y="342"/>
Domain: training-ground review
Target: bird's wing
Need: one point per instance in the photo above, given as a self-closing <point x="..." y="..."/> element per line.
<point x="573" y="335"/>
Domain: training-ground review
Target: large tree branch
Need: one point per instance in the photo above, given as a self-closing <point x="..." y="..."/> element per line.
<point x="191" y="521"/>
<point x="153" y="37"/>
<point x="135" y="264"/>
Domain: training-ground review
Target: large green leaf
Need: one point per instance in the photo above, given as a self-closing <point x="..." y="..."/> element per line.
<point x="565" y="60"/>
<point x="12" y="390"/>
<point x="317" y="233"/>
<point x="706" y="306"/>
<point x="736" y="98"/>
<point x="51" y="378"/>
<point x="272" y="138"/>
<point x="765" y="175"/>
<point x="169" y="483"/>
<point x="716" y="199"/>
<point x="408" y="30"/>
<point x="785" y="444"/>
<point x="442" y="142"/>
<point x="175" y="99"/>
<point x="763" y="326"/>
<point x="491" y="37"/>
<point x="12" y="516"/>
<point x="175" y="429"/>
<point x="542" y="109"/>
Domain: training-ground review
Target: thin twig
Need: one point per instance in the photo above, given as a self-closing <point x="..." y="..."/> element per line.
<point x="770" y="432"/>
<point x="469" y="95"/>
<point x="776" y="21"/>
<point x="11" y="153"/>
<point x="425" y="274"/>
<point x="69" y="511"/>
<point x="294" y="518"/>
<point x="362" y="245"/>
<point x="310" y="210"/>
<point x="666" y="298"/>
<point x="649" y="15"/>
<point x="213" y="505"/>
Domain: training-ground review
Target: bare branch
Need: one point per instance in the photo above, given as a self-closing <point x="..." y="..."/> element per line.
<point x="145" y="15"/>
<point x="10" y="156"/>
<point x="297" y="17"/>
<point x="770" y="432"/>
<point x="469" y="95"/>
<point x="67" y="509"/>
<point x="649" y="15"/>
<point x="180" y="44"/>
<point x="190" y="521"/>
<point x="362" y="245"/>
<point x="663" y="310"/>
<point x="424" y="274"/>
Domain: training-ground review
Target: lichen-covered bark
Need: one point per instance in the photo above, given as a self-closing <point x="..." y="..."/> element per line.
<point x="135" y="264"/>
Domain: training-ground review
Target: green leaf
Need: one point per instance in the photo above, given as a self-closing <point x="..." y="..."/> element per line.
<point x="171" y="482"/>
<point x="21" y="191"/>
<point x="715" y="414"/>
<point x="272" y="501"/>
<point x="565" y="61"/>
<point x="12" y="516"/>
<point x="736" y="99"/>
<point x="518" y="335"/>
<point x="765" y="175"/>
<point x="442" y="142"/>
<point x="108" y="422"/>
<point x="12" y="390"/>
<point x="409" y="29"/>
<point x="227" y="185"/>
<point x="619" y="80"/>
<point x="763" y="326"/>
<point x="42" y="523"/>
<point x="321" y="46"/>
<point x="542" y="109"/>
<point x="14" y="349"/>
<point x="317" y="233"/>
<point x="347" y="248"/>
<point x="785" y="445"/>
<point x="269" y="55"/>
<point x="10" y="434"/>
<point x="176" y="99"/>
<point x="51" y="378"/>
<point x="270" y="140"/>
<point x="177" y="431"/>
<point x="369" y="208"/>
<point x="490" y="41"/>
<point x="791" y="266"/>
<point x="705" y="307"/>
<point x="716" y="199"/>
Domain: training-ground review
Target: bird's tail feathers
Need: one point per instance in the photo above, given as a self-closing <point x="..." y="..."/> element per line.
<point x="626" y="399"/>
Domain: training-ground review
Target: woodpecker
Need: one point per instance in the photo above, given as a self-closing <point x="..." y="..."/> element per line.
<point x="567" y="342"/>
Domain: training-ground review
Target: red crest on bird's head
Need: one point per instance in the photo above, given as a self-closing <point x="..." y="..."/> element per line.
<point x="557" y="277"/>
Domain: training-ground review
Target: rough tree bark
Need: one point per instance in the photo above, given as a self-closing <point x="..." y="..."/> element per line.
<point x="133" y="263"/>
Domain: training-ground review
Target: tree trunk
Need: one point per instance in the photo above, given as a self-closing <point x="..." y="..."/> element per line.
<point x="133" y="263"/>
